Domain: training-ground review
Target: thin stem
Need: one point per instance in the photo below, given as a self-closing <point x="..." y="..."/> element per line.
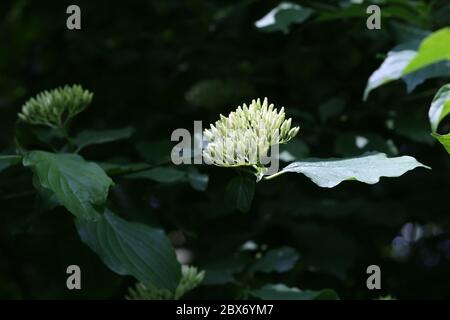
<point x="279" y="173"/>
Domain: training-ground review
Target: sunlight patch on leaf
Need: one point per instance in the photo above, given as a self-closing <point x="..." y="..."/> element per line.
<point x="282" y="16"/>
<point x="368" y="168"/>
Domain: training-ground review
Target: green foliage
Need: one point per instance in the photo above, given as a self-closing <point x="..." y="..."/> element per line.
<point x="167" y="75"/>
<point x="439" y="109"/>
<point x="391" y="69"/>
<point x="414" y="63"/>
<point x="134" y="249"/>
<point x="81" y="186"/>
<point x="433" y="48"/>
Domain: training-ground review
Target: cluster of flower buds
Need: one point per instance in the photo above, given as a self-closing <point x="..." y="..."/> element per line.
<point x="53" y="108"/>
<point x="191" y="278"/>
<point x="245" y="137"/>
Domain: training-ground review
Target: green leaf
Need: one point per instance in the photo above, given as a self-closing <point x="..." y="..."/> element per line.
<point x="78" y="185"/>
<point x="282" y="292"/>
<point x="414" y="62"/>
<point x="444" y="140"/>
<point x="276" y="260"/>
<point x="160" y="174"/>
<point x="91" y="137"/>
<point x="282" y="16"/>
<point x="240" y="191"/>
<point x="440" y="107"/>
<point x="439" y="69"/>
<point x="368" y="168"/>
<point x="112" y="168"/>
<point x="9" y="161"/>
<point x="391" y="69"/>
<point x="135" y="249"/>
<point x="434" y="48"/>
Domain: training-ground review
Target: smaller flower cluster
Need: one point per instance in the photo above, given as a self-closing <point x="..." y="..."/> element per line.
<point x="191" y="278"/>
<point x="53" y="108"/>
<point x="245" y="137"/>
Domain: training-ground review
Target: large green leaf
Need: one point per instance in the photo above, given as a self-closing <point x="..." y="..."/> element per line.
<point x="434" y="48"/>
<point x="78" y="185"/>
<point x="282" y="16"/>
<point x="91" y="137"/>
<point x="368" y="168"/>
<point x="282" y="292"/>
<point x="9" y="161"/>
<point x="135" y="249"/>
<point x="276" y="260"/>
<point x="240" y="191"/>
<point x="440" y="107"/>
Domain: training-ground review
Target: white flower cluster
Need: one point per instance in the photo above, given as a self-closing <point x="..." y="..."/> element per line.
<point x="245" y="137"/>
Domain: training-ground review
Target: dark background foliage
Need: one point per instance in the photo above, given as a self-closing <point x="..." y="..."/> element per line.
<point x="160" y="65"/>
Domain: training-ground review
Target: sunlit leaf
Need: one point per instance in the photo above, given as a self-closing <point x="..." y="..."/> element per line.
<point x="391" y="69"/>
<point x="433" y="48"/>
<point x="282" y="16"/>
<point x="368" y="168"/>
<point x="440" y="108"/>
